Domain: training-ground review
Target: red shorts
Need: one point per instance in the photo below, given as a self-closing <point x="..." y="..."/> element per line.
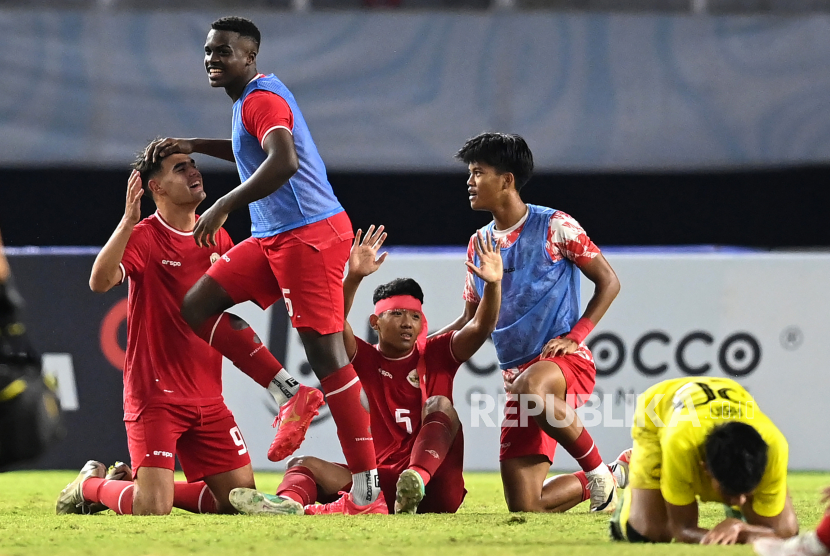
<point x="206" y="440"/>
<point x="304" y="266"/>
<point x="445" y="491"/>
<point x="518" y="441"/>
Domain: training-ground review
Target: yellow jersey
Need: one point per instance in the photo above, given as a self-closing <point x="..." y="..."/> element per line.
<point x="679" y="413"/>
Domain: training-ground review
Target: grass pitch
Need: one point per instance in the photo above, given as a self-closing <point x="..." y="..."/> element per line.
<point x="28" y="526"/>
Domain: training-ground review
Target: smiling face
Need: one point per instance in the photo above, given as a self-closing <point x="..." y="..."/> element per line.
<point x="487" y="187"/>
<point x="397" y="330"/>
<point x="179" y="182"/>
<point x="230" y="60"/>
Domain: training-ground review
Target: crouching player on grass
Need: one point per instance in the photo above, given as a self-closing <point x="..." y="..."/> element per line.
<point x="704" y="439"/>
<point x="173" y="402"/>
<point x="408" y="380"/>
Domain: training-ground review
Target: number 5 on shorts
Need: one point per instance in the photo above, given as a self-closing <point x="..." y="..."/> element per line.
<point x="288" y="306"/>
<point x="238" y="440"/>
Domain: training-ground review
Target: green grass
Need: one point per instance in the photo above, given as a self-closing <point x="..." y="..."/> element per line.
<point x="28" y="526"/>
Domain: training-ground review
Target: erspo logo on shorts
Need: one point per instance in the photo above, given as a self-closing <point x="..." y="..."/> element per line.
<point x="163" y="453"/>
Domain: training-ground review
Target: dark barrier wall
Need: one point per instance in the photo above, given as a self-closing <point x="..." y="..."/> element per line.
<point x="765" y="209"/>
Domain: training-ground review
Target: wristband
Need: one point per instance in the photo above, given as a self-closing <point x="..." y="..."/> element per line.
<point x="580" y="331"/>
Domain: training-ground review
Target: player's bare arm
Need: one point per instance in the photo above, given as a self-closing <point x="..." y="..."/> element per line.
<point x="784" y="525"/>
<point x="682" y="523"/>
<point x="363" y="261"/>
<point x="475" y="332"/>
<point x="217" y="148"/>
<point x="106" y="270"/>
<point x="606" y="288"/>
<point x="279" y="165"/>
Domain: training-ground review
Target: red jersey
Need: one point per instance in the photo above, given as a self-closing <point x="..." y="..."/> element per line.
<point x="394" y="393"/>
<point x="167" y="363"/>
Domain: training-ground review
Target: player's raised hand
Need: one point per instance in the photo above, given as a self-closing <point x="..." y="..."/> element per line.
<point x="132" y="210"/>
<point x="490" y="266"/>
<point x="208" y="224"/>
<point x="167" y="146"/>
<point x="363" y="259"/>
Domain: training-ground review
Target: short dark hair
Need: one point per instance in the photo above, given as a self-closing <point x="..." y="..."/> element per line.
<point x="502" y="151"/>
<point x="245" y="27"/>
<point x="736" y="456"/>
<point x="399" y="286"/>
<point x="147" y="168"/>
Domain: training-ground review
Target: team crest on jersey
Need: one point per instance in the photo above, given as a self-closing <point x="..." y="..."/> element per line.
<point x="412" y="378"/>
<point x="214" y="257"/>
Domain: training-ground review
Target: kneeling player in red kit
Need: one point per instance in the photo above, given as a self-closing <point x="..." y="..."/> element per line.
<point x="173" y="405"/>
<point x="408" y="380"/>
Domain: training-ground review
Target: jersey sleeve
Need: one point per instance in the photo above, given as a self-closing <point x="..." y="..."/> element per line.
<point x="470" y="293"/>
<point x="263" y="112"/>
<point x="364" y="358"/>
<point x="677" y="470"/>
<point x="137" y="253"/>
<point x="568" y="240"/>
<point x="770" y="496"/>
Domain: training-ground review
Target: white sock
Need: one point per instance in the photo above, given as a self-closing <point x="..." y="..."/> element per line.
<point x="365" y="487"/>
<point x="283" y="387"/>
<point x="601" y="470"/>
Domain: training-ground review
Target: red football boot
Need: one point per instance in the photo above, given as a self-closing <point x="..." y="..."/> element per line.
<point x="345" y="506"/>
<point x="293" y="422"/>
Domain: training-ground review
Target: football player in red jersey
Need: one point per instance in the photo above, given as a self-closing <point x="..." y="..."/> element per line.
<point x="408" y="380"/>
<point x="173" y="403"/>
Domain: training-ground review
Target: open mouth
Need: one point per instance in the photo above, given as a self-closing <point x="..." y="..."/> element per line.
<point x="213" y="73"/>
<point x="196" y="185"/>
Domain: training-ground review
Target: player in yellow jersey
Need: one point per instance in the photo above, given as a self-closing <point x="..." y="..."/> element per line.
<point x="704" y="439"/>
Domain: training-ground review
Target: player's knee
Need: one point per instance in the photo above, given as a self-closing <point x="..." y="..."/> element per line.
<point x="309" y="462"/>
<point x="204" y="299"/>
<point x="438" y="403"/>
<point x="523" y="506"/>
<point x="444" y="405"/>
<point x="153" y="506"/>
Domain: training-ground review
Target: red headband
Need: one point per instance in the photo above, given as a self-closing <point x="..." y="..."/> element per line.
<point x="398" y="302"/>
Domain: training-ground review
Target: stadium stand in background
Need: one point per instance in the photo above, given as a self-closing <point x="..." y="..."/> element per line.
<point x="777" y="7"/>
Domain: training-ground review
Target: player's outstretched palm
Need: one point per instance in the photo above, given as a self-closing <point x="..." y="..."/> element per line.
<point x="490" y="267"/>
<point x="132" y="210"/>
<point x="363" y="259"/>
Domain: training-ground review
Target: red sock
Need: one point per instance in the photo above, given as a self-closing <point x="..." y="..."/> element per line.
<point x="584" y="451"/>
<point x="823" y="531"/>
<point x="299" y="485"/>
<point x="242" y="346"/>
<point x="342" y="389"/>
<point x="431" y="445"/>
<point x="118" y="496"/>
<point x="193" y="497"/>
<point x="586" y="494"/>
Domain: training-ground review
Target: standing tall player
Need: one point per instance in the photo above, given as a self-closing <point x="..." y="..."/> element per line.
<point x="300" y="244"/>
<point x="539" y="336"/>
<point x="409" y="381"/>
<point x="173" y="402"/>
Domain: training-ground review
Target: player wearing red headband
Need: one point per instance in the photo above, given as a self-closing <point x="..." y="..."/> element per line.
<point x="408" y="381"/>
